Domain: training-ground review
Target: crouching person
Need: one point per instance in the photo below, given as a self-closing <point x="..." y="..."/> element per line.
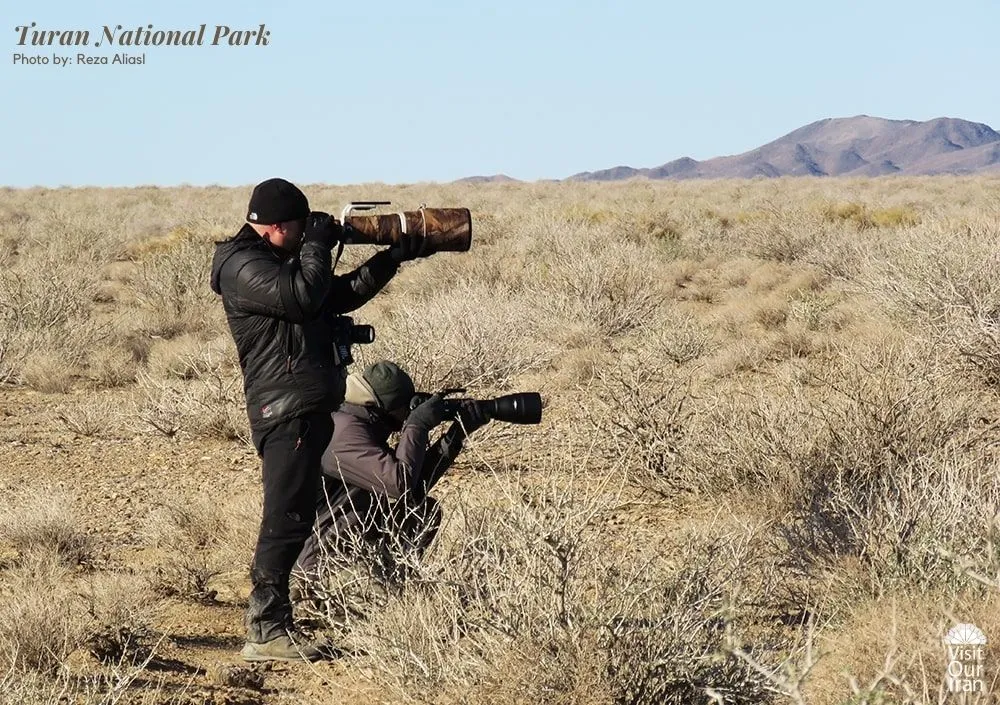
<point x="376" y="496"/>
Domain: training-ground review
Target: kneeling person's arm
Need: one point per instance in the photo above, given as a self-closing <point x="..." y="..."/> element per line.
<point x="362" y="461"/>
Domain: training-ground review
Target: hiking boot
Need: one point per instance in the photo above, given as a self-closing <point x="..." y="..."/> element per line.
<point x="283" y="648"/>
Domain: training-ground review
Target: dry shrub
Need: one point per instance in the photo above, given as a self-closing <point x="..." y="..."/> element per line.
<point x="771" y="314"/>
<point x="218" y="408"/>
<point x="862" y="217"/>
<point x="158" y="243"/>
<point x="679" y="337"/>
<point x="607" y="287"/>
<point x="17" y="688"/>
<point x="212" y="406"/>
<point x="47" y="371"/>
<point x="660" y="225"/>
<point x="190" y="356"/>
<point x="534" y="597"/>
<point x="893" y="650"/>
<point x="784" y="235"/>
<point x="467" y="336"/>
<point x="581" y="270"/>
<point x="943" y="280"/>
<point x="50" y="621"/>
<point x="45" y="519"/>
<point x="132" y="336"/>
<point x="740" y="357"/>
<point x="92" y="416"/>
<point x="199" y="540"/>
<point x="124" y="683"/>
<point x="811" y="310"/>
<point x="901" y="461"/>
<point x="879" y="457"/>
<point x="674" y="646"/>
<point x="637" y="420"/>
<point x="750" y="441"/>
<point x="45" y="325"/>
<point x="795" y="341"/>
<point x="934" y="274"/>
<point x="111" y="367"/>
<point x="159" y="406"/>
<point x="173" y="288"/>
<point x="119" y="607"/>
<point x="47" y="613"/>
<point x="978" y="559"/>
<point x="41" y="622"/>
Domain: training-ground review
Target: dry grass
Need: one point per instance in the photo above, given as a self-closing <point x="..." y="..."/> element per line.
<point x="197" y="541"/>
<point x="50" y="614"/>
<point x="819" y="357"/>
<point x="44" y="519"/>
<point x="532" y="598"/>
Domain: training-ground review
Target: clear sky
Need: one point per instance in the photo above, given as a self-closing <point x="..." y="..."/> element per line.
<point x="403" y="92"/>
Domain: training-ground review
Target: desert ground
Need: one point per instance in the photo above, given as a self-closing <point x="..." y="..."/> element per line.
<point x="766" y="470"/>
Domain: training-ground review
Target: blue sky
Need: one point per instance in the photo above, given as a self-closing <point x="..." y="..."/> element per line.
<point x="404" y="92"/>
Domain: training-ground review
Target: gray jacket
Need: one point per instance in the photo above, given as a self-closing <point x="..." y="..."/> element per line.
<point x="359" y="455"/>
<point x="365" y="480"/>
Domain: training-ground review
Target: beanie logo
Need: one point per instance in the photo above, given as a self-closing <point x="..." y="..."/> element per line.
<point x="253" y="216"/>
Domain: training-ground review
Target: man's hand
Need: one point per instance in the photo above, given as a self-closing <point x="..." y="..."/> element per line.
<point x="429" y="414"/>
<point x="322" y="227"/>
<point x="471" y="416"/>
<point x="409" y="247"/>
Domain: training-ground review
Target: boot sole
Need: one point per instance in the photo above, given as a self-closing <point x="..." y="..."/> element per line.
<point x="256" y="658"/>
<point x="300" y="659"/>
<point x="284" y="659"/>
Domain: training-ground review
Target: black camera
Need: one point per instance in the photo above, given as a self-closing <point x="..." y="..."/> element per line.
<point x="347" y="333"/>
<point x="519" y="408"/>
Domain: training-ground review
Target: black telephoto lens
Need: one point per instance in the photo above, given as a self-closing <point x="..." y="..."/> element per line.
<point x="362" y="334"/>
<point x="522" y="408"/>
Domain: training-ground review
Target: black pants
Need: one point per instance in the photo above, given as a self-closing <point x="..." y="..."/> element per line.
<point x="291" y="455"/>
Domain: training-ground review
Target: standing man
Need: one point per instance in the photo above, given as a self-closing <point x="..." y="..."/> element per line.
<point x="282" y="301"/>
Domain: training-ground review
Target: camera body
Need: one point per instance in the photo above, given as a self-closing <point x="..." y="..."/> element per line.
<point x="347" y="333"/>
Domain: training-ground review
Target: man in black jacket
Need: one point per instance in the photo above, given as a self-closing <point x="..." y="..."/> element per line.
<point x="282" y="303"/>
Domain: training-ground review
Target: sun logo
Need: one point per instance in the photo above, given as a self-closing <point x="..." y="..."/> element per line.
<point x="965" y="635"/>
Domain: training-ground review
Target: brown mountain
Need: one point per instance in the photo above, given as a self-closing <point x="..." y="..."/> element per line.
<point x="855" y="146"/>
<point x="495" y="178"/>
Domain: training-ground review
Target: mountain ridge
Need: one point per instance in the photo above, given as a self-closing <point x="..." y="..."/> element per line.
<point x="861" y="145"/>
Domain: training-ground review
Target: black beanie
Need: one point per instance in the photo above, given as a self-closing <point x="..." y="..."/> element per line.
<point x="276" y="201"/>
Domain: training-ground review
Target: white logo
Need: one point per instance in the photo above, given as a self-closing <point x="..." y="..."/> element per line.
<point x="966" y="659"/>
<point x="253" y="216"/>
<point x="965" y="634"/>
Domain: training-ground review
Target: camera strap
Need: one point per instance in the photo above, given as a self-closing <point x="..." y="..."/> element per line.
<point x="340" y="251"/>
<point x="423" y="222"/>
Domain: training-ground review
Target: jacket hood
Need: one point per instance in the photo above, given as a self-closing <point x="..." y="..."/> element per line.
<point x="359" y="392"/>
<point x="226" y="249"/>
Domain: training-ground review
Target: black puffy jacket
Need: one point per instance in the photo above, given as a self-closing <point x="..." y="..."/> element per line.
<point x="287" y="356"/>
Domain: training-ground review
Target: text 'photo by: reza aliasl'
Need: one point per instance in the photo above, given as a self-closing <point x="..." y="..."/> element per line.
<point x="219" y="35"/>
